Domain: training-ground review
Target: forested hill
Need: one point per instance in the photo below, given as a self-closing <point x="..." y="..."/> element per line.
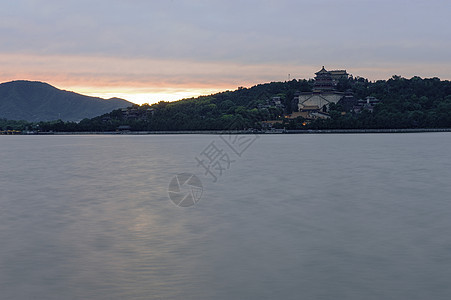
<point x="226" y="110"/>
<point x="404" y="103"/>
<point x="37" y="101"/>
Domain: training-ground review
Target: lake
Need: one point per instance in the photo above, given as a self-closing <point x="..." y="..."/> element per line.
<point x="317" y="216"/>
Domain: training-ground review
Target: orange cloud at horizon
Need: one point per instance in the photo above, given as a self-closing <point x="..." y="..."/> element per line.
<point x="142" y="80"/>
<point x="137" y="80"/>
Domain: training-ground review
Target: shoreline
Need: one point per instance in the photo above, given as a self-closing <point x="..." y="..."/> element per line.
<point x="216" y="132"/>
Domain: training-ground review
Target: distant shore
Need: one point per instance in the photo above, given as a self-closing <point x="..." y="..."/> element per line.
<point x="277" y="131"/>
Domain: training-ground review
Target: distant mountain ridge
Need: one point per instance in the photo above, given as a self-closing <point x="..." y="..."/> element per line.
<point x="36" y="101"/>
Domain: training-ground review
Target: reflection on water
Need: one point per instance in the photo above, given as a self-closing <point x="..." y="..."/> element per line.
<point x="300" y="217"/>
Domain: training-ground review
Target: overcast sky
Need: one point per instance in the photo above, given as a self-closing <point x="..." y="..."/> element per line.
<point x="148" y="51"/>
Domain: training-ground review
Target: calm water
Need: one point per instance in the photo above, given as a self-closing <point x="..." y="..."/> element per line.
<point x="295" y="217"/>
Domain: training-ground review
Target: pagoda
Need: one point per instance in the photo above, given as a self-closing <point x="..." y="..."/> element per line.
<point x="323" y="81"/>
<point x="324" y="91"/>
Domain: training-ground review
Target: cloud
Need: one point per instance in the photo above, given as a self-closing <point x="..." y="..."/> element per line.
<point x="140" y="71"/>
<point x="237" y="31"/>
<point x="215" y="44"/>
<point x="157" y="79"/>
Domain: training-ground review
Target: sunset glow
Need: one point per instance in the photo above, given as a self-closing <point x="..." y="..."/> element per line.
<point x="150" y="81"/>
<point x="171" y="50"/>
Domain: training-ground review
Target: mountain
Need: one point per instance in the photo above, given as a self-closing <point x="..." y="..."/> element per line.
<point x="38" y="101"/>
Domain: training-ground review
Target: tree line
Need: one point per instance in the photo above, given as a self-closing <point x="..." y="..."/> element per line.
<point x="405" y="103"/>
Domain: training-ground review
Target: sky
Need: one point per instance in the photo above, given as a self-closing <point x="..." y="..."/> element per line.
<point x="146" y="51"/>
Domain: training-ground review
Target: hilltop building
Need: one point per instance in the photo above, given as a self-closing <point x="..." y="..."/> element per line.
<point x="314" y="105"/>
<point x="324" y="90"/>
